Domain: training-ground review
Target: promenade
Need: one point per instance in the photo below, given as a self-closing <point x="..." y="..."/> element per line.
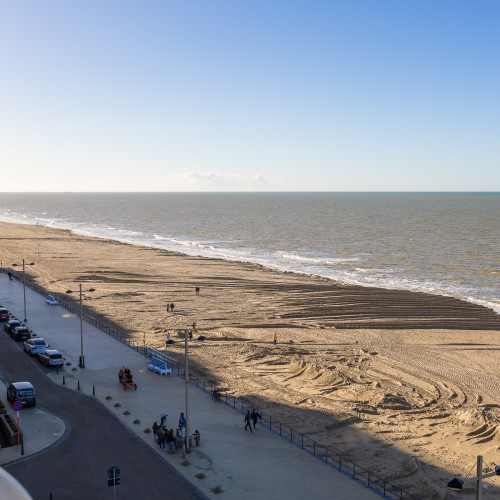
<point x="229" y="463"/>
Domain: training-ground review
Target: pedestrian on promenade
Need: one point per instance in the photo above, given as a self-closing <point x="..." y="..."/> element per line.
<point x="255" y="415"/>
<point x="170" y="439"/>
<point x="9" y="274"/>
<point x="182" y="421"/>
<point x="248" y="420"/>
<point x="196" y="436"/>
<point x="155" y="431"/>
<point x="160" y="432"/>
<point x="179" y="443"/>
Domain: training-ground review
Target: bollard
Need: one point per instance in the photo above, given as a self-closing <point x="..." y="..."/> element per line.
<point x="93" y="390"/>
<point x="78" y="385"/>
<point x="64" y="380"/>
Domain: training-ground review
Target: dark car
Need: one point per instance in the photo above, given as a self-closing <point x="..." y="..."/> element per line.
<point x="4" y="314"/>
<point x="21" y="333"/>
<point x="22" y="391"/>
<point x="10" y="325"/>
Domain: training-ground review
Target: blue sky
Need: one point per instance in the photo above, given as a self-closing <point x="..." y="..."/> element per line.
<point x="271" y="95"/>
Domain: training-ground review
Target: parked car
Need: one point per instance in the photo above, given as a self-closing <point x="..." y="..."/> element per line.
<point x="51" y="357"/>
<point x="35" y="345"/>
<point x="22" y="391"/>
<point x="10" y="325"/>
<point x="51" y="300"/>
<point x="21" y="333"/>
<point x="4" y="314"/>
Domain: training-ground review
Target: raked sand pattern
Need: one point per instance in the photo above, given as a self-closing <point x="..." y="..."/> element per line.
<point x="406" y="385"/>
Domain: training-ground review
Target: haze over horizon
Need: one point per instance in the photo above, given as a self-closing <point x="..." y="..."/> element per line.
<point x="275" y="96"/>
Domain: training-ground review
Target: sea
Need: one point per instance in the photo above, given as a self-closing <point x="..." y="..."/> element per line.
<point x="439" y="243"/>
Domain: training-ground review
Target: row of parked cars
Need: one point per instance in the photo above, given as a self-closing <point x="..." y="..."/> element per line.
<point x="34" y="346"/>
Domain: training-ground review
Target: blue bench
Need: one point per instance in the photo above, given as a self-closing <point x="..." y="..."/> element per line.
<point x="159" y="366"/>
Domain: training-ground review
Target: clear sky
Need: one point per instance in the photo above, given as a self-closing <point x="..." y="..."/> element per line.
<point x="250" y="95"/>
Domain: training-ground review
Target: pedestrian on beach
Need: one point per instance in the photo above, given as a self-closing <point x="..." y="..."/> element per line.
<point x="275" y="338"/>
<point x="255" y="415"/>
<point x="197" y="289"/>
<point x="194" y="325"/>
<point x="248" y="420"/>
<point x="172" y="307"/>
<point x="168" y="307"/>
<point x="190" y="334"/>
<point x="167" y="338"/>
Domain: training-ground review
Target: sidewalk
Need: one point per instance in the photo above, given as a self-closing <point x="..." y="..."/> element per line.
<point x="243" y="465"/>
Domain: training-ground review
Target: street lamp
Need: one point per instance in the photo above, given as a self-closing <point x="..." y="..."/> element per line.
<point x="24" y="286"/>
<point x="186" y="385"/>
<point x="81" y="363"/>
<point x="457" y="484"/>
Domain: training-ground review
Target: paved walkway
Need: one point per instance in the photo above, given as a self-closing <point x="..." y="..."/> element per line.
<point x="229" y="463"/>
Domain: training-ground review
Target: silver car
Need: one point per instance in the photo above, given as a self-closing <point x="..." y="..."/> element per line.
<point x="35" y="345"/>
<point x="51" y="357"/>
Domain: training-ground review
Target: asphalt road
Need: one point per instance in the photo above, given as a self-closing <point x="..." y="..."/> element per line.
<point x="75" y="467"/>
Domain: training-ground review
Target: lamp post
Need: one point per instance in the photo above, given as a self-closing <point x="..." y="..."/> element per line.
<point x="81" y="362"/>
<point x="24" y="286"/>
<point x="186" y="380"/>
<point x="455" y="483"/>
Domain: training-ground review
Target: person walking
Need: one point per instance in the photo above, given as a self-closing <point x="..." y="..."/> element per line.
<point x="248" y="420"/>
<point x="275" y="338"/>
<point x="255" y="415"/>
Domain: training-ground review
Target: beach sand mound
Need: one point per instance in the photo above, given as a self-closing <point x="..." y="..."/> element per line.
<point x="390" y="401"/>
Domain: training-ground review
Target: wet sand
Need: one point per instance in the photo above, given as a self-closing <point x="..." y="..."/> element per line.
<point x="405" y="384"/>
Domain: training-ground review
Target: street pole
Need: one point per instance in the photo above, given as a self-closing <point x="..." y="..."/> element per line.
<point x="479" y="479"/>
<point x="82" y="358"/>
<point x="186" y="379"/>
<point x="24" y="292"/>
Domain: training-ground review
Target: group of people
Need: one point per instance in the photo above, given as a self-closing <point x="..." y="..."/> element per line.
<point x="166" y="438"/>
<point x="252" y="418"/>
<point x="170" y="307"/>
<point x="124" y="373"/>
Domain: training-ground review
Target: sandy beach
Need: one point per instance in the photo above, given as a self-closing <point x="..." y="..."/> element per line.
<point x="406" y="384"/>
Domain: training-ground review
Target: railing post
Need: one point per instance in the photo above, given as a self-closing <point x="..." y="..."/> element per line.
<point x="326" y="455"/>
<point x="280" y="428"/>
<point x="314" y="448"/>
<point x="354" y="471"/>
<point x="340" y="462"/>
<point x="302" y="441"/>
<point x="270" y="424"/>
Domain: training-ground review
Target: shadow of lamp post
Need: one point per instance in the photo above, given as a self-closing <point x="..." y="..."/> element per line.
<point x="81" y="363"/>
<point x="24" y="285"/>
<point x="457" y="484"/>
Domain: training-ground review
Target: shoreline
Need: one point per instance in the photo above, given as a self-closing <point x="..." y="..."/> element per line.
<point x="335" y="275"/>
<point x="409" y="372"/>
<point x="339" y="305"/>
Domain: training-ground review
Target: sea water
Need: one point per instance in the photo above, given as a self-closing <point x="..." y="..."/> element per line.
<point x="440" y="243"/>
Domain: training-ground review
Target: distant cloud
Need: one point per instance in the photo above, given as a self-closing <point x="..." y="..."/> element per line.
<point x="217" y="181"/>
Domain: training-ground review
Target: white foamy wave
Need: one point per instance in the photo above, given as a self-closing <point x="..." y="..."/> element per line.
<point x="316" y="260"/>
